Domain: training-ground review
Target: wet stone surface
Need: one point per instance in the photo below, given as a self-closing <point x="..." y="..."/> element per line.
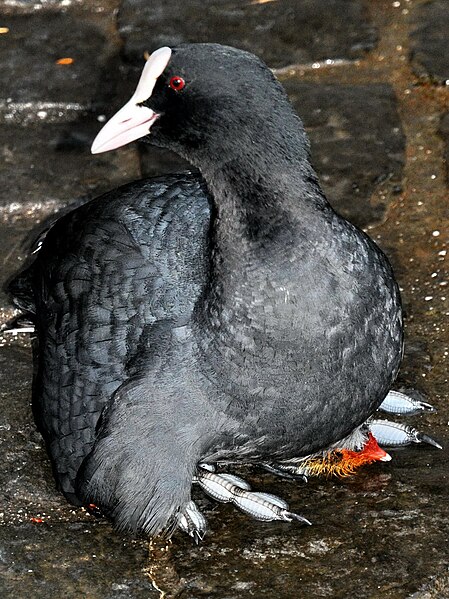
<point x="23" y="7"/>
<point x="25" y="476"/>
<point x="51" y="162"/>
<point x="33" y="74"/>
<point x="430" y="50"/>
<point x="71" y="560"/>
<point x="385" y="545"/>
<point x="357" y="142"/>
<point x="281" y="33"/>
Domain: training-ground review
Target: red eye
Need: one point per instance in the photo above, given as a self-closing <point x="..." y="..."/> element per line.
<point x="177" y="83"/>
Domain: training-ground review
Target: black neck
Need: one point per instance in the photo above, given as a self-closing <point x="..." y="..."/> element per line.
<point x="261" y="180"/>
<point x="265" y="194"/>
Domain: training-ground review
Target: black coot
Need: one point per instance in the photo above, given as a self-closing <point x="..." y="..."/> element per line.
<point x="232" y="316"/>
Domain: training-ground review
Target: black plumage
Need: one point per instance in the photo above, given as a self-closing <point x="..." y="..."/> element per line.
<point x="232" y="316"/>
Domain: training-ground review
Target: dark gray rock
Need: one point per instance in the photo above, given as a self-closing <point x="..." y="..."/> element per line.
<point x="30" y="51"/>
<point x="49" y="162"/>
<point x="25" y="478"/>
<point x="357" y="143"/>
<point x="281" y="33"/>
<point x="71" y="561"/>
<point x="14" y="7"/>
<point x="430" y="48"/>
<point x="26" y="481"/>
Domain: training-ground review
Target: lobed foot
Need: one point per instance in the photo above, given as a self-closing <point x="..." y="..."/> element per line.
<point x="341" y="459"/>
<point x="394" y="434"/>
<point x="192" y="521"/>
<point x="399" y="403"/>
<point x="228" y="488"/>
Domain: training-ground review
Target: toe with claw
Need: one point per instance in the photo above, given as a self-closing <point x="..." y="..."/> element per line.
<point x="342" y="459"/>
<point x="192" y="521"/>
<point x="229" y="488"/>
<point x="394" y="434"/>
<point x="399" y="403"/>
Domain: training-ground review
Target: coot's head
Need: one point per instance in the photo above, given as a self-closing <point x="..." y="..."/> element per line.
<point x="198" y="98"/>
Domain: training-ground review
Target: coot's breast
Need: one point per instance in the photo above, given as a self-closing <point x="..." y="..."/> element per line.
<point x="326" y="355"/>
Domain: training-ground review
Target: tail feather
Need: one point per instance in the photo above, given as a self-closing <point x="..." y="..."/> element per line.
<point x="20" y="288"/>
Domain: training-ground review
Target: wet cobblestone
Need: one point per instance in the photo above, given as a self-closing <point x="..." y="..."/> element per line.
<point x="281" y="33"/>
<point x="429" y="40"/>
<point x="378" y="122"/>
<point x="353" y="149"/>
<point x="33" y="73"/>
<point x="86" y="561"/>
<point x="52" y="162"/>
